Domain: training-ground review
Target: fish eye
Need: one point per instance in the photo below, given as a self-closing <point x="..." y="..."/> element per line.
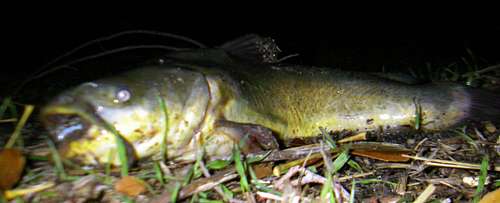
<point x="122" y="95"/>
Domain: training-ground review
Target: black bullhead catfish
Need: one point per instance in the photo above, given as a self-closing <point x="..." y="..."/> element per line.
<point x="216" y="97"/>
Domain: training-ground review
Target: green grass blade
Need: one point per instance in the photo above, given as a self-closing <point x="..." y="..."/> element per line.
<point x="5" y="103"/>
<point x="178" y="185"/>
<point x="355" y="165"/>
<point x="159" y="173"/>
<point x="467" y="138"/>
<point x="418" y="114"/>
<point x="57" y="160"/>
<point x="15" y="136"/>
<point x="258" y="158"/>
<point x="175" y="192"/>
<point x="163" y="145"/>
<point x="340" y="161"/>
<point x="218" y="164"/>
<point x="241" y="169"/>
<point x="121" y="148"/>
<point x="353" y="191"/>
<point x="328" y="139"/>
<point x="482" y="178"/>
<point x="227" y="192"/>
<point x="327" y="189"/>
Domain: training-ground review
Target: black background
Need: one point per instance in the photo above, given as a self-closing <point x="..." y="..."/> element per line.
<point x="341" y="41"/>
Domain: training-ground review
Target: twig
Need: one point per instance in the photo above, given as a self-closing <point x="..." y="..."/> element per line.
<point x="11" y="194"/>
<point x="426" y="194"/>
<point x="345" y="178"/>
<point x="446" y="163"/>
<point x="8" y="120"/>
<point x="484" y="70"/>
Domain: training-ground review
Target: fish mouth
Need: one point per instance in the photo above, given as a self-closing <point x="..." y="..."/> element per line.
<point x="70" y="125"/>
<point x="65" y="124"/>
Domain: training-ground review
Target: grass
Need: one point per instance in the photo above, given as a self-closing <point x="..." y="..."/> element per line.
<point x="327" y="194"/>
<point x="340" y="161"/>
<point x="178" y="185"/>
<point x="241" y="169"/>
<point x="121" y="148"/>
<point x="58" y="163"/>
<point x="28" y="109"/>
<point x="482" y="178"/>
<point x="467" y="138"/>
<point x="218" y="164"/>
<point x="159" y="174"/>
<point x="418" y="114"/>
<point x="353" y="191"/>
<point x="163" y="145"/>
<point x="7" y="104"/>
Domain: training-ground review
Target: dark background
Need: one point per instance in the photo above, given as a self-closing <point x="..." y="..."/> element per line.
<point x="360" y="44"/>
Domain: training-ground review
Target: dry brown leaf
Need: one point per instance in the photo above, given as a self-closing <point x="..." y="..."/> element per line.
<point x="263" y="170"/>
<point x="130" y="186"/>
<point x="380" y="155"/>
<point x="11" y="167"/>
<point x="491" y="197"/>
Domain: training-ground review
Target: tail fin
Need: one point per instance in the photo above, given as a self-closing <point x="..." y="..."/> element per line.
<point x="484" y="105"/>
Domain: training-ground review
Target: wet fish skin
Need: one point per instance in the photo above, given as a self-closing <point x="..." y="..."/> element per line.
<point x="202" y="87"/>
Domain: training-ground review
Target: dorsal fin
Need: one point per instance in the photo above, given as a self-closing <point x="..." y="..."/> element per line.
<point x="254" y="48"/>
<point x="399" y="77"/>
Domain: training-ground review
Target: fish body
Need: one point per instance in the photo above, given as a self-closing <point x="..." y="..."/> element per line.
<point x="213" y="98"/>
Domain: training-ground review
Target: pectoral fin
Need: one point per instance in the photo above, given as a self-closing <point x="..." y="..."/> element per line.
<point x="250" y="138"/>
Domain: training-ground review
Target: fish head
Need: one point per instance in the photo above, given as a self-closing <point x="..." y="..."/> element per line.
<point x="146" y="109"/>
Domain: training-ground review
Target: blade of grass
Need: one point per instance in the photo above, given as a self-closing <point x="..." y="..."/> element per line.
<point x="121" y="148"/>
<point x="218" y="164"/>
<point x="159" y="174"/>
<point x="175" y="192"/>
<point x="353" y="164"/>
<point x="341" y="160"/>
<point x="259" y="185"/>
<point x="467" y="138"/>
<point x="227" y="191"/>
<point x="418" y="114"/>
<point x="163" y="145"/>
<point x="327" y="193"/>
<point x="370" y="181"/>
<point x="327" y="138"/>
<point x="15" y="135"/>
<point x="482" y="179"/>
<point x="8" y="104"/>
<point x="353" y="190"/>
<point x="178" y="185"/>
<point x="240" y="168"/>
<point x="57" y="161"/>
<point x="4" y="105"/>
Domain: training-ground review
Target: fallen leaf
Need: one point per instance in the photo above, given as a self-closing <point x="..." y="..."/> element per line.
<point x="263" y="170"/>
<point x="380" y="155"/>
<point x="130" y="186"/>
<point x="491" y="197"/>
<point x="11" y="167"/>
<point x="357" y="137"/>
